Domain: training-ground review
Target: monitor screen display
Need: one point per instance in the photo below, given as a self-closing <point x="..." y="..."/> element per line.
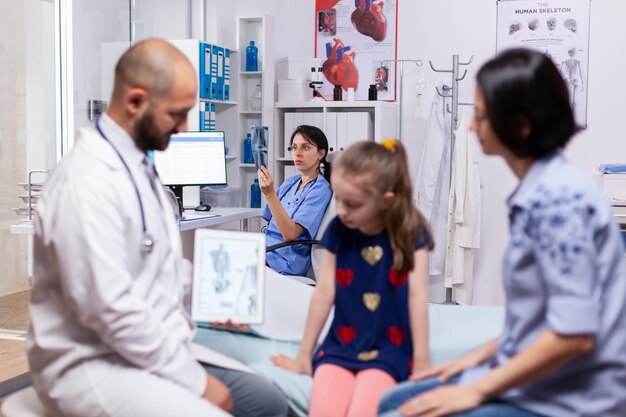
<point x="193" y="158"/>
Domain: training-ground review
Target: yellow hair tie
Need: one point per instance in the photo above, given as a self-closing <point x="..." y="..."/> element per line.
<point x="389" y="144"/>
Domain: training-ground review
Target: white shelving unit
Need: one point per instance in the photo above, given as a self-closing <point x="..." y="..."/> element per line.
<point x="226" y="111"/>
<point x="380" y="115"/>
<point x="259" y="30"/>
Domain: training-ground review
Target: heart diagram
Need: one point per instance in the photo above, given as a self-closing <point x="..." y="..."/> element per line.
<point x="368" y="19"/>
<point x="339" y="67"/>
<point x="325" y="4"/>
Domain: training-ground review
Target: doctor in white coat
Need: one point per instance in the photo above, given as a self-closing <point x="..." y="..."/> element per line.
<point x="109" y="335"/>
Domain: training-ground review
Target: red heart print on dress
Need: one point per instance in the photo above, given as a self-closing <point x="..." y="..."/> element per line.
<point x="339" y="67"/>
<point x="343" y="277"/>
<point x="395" y="335"/>
<point x="398" y="278"/>
<point x="346" y="333"/>
<point x="368" y="19"/>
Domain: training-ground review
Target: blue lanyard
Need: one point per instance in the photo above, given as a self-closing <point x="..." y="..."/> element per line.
<point x="147" y="242"/>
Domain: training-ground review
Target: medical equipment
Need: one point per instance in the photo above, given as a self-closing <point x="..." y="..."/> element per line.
<point x="147" y="243"/>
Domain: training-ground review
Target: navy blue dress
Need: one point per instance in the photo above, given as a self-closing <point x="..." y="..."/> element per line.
<point x="371" y="326"/>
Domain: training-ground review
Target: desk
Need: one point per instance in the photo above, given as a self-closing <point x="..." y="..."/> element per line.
<point x="224" y="215"/>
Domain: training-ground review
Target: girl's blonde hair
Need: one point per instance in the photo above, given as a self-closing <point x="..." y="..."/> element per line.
<point x="386" y="168"/>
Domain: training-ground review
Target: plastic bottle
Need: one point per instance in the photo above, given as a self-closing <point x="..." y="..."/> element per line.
<point x="252" y="57"/>
<point x="247" y="150"/>
<point x="256" y="98"/>
<point x="255" y="194"/>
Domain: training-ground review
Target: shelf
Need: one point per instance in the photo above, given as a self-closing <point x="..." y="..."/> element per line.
<point x="335" y="104"/>
<point x="22" y="228"/>
<point x="251" y="112"/>
<point x="283" y="159"/>
<point x="231" y="157"/>
<point x="250" y="73"/>
<point x="222" y="102"/>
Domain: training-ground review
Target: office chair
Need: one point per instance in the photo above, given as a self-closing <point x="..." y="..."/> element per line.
<point x="316" y="248"/>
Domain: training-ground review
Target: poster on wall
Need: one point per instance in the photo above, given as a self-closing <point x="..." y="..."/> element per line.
<point x="355" y="40"/>
<point x="558" y="28"/>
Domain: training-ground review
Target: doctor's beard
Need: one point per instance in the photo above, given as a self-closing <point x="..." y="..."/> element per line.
<point x="147" y="136"/>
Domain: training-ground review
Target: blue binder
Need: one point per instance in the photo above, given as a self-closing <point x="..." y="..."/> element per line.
<point x="217" y="72"/>
<point x="226" y="74"/>
<point x="205" y="70"/>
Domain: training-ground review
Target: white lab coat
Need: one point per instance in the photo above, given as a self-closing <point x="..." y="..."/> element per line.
<point x="432" y="185"/>
<point x="463" y="215"/>
<point x="105" y="316"/>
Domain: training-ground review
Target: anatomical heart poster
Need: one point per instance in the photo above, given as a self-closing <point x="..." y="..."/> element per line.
<point x="355" y="40"/>
<point x="558" y="28"/>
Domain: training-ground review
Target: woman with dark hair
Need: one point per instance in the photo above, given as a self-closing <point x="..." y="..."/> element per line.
<point x="295" y="211"/>
<point x="561" y="352"/>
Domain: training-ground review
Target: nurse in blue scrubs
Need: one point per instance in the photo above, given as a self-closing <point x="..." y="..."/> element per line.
<point x="295" y="211"/>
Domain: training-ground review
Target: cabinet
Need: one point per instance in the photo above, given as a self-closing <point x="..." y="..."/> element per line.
<point x="259" y="30"/>
<point x="343" y="123"/>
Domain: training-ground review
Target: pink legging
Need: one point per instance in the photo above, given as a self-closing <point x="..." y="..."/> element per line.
<point x="338" y="392"/>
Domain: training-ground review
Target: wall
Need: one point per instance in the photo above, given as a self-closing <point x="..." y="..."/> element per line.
<point x="434" y="30"/>
<point x="96" y="22"/>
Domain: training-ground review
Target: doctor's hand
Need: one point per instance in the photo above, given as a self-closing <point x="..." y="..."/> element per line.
<point x="442" y="401"/>
<point x="299" y="365"/>
<point x="266" y="182"/>
<point x="217" y="392"/>
<point x="229" y="325"/>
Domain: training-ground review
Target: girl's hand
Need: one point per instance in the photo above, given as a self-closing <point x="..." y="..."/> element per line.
<point x="442" y="401"/>
<point x="299" y="365"/>
<point x="419" y="366"/>
<point x="266" y="182"/>
<point x="449" y="369"/>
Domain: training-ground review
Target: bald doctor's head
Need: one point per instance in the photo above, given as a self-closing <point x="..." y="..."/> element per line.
<point x="155" y="87"/>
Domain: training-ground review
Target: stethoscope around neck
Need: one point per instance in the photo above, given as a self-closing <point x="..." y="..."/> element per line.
<point x="147" y="243"/>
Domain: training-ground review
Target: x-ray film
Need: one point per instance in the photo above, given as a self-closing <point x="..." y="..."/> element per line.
<point x="228" y="278"/>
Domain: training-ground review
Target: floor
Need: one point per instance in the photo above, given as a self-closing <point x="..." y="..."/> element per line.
<point x="13" y="326"/>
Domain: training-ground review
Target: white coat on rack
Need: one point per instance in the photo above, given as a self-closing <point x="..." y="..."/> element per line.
<point x="463" y="215"/>
<point x="432" y="186"/>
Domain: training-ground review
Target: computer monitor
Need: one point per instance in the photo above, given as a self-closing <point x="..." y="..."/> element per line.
<point x="192" y="158"/>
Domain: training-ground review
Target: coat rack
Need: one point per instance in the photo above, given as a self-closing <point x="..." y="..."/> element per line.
<point x="453" y="93"/>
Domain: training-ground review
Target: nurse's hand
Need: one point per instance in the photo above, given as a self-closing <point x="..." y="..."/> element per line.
<point x="217" y="392"/>
<point x="266" y="182"/>
<point x="442" y="401"/>
<point x="299" y="365"/>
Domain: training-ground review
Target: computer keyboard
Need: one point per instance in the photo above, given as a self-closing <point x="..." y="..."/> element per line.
<point x="195" y="215"/>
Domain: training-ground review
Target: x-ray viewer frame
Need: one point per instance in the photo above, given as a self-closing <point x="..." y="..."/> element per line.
<point x="228" y="277"/>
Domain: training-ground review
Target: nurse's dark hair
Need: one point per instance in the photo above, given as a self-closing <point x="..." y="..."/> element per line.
<point x="526" y="102"/>
<point x="315" y="136"/>
<point x="378" y="169"/>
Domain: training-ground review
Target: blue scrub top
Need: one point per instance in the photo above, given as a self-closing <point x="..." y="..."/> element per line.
<point x="306" y="207"/>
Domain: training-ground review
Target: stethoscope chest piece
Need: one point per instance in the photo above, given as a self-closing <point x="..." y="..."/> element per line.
<point x="147" y="243"/>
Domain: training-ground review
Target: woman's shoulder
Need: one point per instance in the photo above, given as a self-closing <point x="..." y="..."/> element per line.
<point x="322" y="182"/>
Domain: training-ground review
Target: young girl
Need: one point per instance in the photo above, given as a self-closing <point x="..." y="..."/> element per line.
<point x="374" y="272"/>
